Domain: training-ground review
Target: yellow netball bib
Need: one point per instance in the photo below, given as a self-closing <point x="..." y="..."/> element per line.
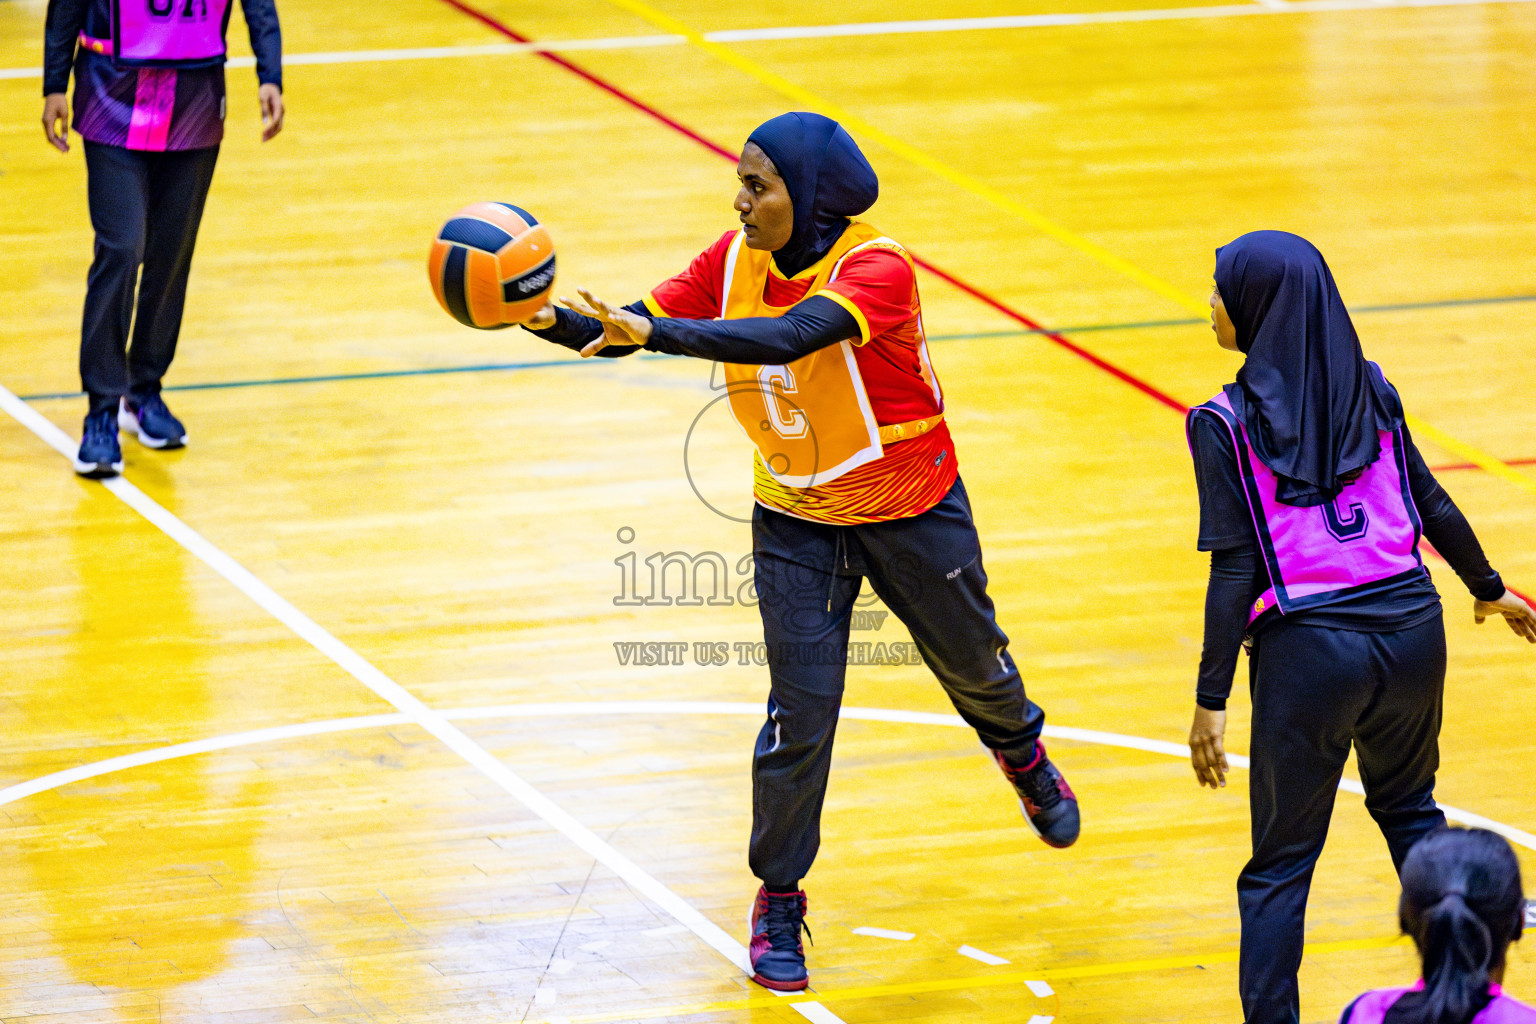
<point x="810" y="420"/>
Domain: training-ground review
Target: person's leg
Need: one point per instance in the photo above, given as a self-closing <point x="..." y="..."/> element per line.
<point x="178" y="189"/>
<point x="806" y="610"/>
<point x="1397" y="740"/>
<point x="928" y="571"/>
<point x="1309" y="686"/>
<point x="117" y="185"/>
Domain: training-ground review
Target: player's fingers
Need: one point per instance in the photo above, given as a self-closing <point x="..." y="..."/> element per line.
<point x="579" y="307"/>
<point x="1217" y="760"/>
<point x="272" y="115"/>
<point x="603" y="312"/>
<point x="1199" y="758"/>
<point x="1210" y="753"/>
<point x="592" y="348"/>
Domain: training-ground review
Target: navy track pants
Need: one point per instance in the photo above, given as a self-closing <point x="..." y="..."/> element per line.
<point x="1315" y="691"/>
<point x="146" y="208"/>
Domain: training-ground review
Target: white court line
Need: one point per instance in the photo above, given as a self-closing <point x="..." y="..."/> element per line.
<point x="406" y="703"/>
<point x="886" y="933"/>
<point x="866" y="28"/>
<point x="664" y="708"/>
<point x="982" y="955"/>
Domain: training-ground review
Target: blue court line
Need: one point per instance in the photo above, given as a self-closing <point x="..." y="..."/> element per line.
<point x="431" y="371"/>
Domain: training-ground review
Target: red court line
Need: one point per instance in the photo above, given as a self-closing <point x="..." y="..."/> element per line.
<point x="1070" y="346"/>
<point x="1427" y="546"/>
<point x="719" y="150"/>
<point x="1472" y="465"/>
<point x="602" y="83"/>
<point x="1125" y="376"/>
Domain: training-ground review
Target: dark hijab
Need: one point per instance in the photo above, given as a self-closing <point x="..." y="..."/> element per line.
<point x="1311" y="403"/>
<point x="828" y="180"/>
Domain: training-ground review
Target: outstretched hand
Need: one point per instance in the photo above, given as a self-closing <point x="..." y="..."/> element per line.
<point x="1518" y="614"/>
<point x="620" y="326"/>
<point x="1206" y="751"/>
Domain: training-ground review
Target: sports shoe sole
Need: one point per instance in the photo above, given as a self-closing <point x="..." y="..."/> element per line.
<point x="1041" y="835"/>
<point x="129" y="423"/>
<point x="97" y="470"/>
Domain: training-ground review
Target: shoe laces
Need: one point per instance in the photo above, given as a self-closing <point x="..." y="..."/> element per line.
<point x="101" y="423"/>
<point x="784" y="919"/>
<point x="153" y="404"/>
<point x="1039" y="783"/>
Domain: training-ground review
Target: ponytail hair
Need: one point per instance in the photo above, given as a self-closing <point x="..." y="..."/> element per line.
<point x="1462" y="904"/>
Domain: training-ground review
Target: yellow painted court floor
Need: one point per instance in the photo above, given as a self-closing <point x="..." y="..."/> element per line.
<point x="333" y="714"/>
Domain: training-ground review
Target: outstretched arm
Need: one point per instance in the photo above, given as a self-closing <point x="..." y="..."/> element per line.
<point x="807" y="327"/>
<point x="570" y="329"/>
<point x="600" y="329"/>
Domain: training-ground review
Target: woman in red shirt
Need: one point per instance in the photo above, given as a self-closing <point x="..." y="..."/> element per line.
<point x="818" y="322"/>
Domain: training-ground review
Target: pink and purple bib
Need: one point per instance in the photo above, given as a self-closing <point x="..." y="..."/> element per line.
<point x="1365" y="539"/>
<point x="168" y="33"/>
<point x="1372" y="1007"/>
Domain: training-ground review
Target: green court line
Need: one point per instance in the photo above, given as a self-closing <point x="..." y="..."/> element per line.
<point x="431" y="371"/>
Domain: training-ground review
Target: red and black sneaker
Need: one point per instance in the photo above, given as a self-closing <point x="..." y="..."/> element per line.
<point x="778" y="958"/>
<point x="1049" y="806"/>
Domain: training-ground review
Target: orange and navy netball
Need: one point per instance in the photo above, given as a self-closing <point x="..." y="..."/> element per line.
<point x="492" y="265"/>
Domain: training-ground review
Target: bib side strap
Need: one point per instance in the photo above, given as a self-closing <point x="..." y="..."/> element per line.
<point x="101" y="46"/>
<point x="906" y="431"/>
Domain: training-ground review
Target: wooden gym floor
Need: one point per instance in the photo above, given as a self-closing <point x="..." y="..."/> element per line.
<point x="371" y="751"/>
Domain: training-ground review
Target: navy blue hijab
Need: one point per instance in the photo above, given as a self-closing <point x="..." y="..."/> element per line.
<point x="828" y="179"/>
<point x="1311" y="403"/>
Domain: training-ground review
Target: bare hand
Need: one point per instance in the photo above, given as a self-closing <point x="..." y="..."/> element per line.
<point x="270" y="98"/>
<point x="56" y="120"/>
<point x="620" y="326"/>
<point x="1206" y="752"/>
<point x="1522" y="621"/>
<point x="543" y="320"/>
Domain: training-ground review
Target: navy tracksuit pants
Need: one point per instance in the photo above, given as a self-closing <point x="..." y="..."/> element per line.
<point x="1315" y="691"/>
<point x="927" y="570"/>
<point x="146" y="208"/>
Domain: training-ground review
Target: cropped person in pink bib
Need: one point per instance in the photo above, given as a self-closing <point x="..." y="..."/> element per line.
<point x="1463" y="906"/>
<point x="149" y="105"/>
<point x="1313" y="500"/>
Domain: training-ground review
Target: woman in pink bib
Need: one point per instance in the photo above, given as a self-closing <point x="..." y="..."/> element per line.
<point x="149" y="107"/>
<point x="1313" y="500"/>
<point x="1463" y="906"/>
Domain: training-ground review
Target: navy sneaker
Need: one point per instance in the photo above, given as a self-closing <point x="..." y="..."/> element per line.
<point x="99" y="455"/>
<point x="1049" y="806"/>
<point x="152" y="422"/>
<point x="778" y="959"/>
